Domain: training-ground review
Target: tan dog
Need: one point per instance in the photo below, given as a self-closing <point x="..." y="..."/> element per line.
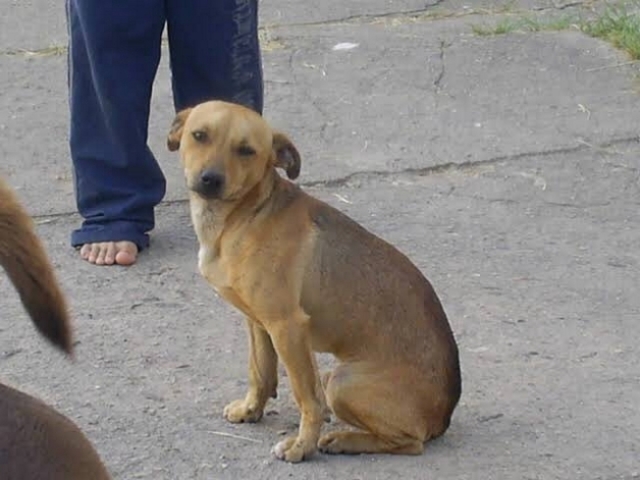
<point x="309" y="279"/>
<point x="36" y="442"/>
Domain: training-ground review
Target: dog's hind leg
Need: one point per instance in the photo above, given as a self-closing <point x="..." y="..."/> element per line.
<point x="263" y="378"/>
<point x="389" y="406"/>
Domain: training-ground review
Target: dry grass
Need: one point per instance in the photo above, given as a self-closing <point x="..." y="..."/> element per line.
<point x="618" y="24"/>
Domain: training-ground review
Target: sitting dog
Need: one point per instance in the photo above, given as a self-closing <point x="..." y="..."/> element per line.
<point x="36" y="442"/>
<point x="308" y="278"/>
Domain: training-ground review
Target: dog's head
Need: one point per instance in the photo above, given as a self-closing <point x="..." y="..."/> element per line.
<point x="226" y="149"/>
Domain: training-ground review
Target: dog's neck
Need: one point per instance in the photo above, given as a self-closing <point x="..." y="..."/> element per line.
<point x="211" y="217"/>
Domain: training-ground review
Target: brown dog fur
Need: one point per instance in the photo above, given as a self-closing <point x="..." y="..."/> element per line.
<point x="36" y="442"/>
<point x="28" y="267"/>
<point x="308" y="278"/>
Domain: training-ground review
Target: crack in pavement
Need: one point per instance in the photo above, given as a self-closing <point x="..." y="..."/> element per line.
<point x="560" y="6"/>
<point x="54" y="50"/>
<point x="419" y="13"/>
<point x="438" y="81"/>
<point x="441" y="169"/>
<point x="57" y="50"/>
<point x="548" y="203"/>
<point x="448" y="167"/>
<point x="367" y="17"/>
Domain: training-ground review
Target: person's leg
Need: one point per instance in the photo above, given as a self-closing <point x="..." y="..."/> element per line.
<point x="215" y="52"/>
<point x="114" y="51"/>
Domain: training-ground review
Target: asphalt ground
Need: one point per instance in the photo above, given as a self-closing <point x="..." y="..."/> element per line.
<point x="505" y="166"/>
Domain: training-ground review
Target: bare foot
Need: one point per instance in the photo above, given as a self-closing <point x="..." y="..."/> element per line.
<point x="109" y="253"/>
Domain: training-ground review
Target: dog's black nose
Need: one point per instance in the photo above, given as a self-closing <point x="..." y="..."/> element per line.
<point x="210" y="183"/>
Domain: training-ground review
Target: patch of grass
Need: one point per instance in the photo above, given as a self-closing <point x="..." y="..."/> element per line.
<point x="268" y="42"/>
<point x="618" y="26"/>
<point x="550" y="24"/>
<point x="43" y="52"/>
<point x="524" y="24"/>
<point x="503" y="26"/>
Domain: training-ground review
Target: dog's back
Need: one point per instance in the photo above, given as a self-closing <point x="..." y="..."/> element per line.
<point x="26" y="263"/>
<point x="36" y="442"/>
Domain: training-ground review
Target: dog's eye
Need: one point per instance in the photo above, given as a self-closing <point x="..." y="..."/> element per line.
<point x="199" y="136"/>
<point x="245" y="151"/>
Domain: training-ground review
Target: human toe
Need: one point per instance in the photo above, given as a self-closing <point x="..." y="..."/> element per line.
<point x="126" y="253"/>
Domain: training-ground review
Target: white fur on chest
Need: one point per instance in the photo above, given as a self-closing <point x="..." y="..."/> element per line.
<point x="208" y="226"/>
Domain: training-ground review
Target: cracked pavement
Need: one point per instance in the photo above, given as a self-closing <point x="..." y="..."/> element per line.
<point x="506" y="167"/>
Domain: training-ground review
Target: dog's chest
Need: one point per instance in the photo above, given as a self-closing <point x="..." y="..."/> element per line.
<point x="212" y="269"/>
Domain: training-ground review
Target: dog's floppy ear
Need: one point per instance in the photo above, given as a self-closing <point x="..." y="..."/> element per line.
<point x="175" y="133"/>
<point x="286" y="155"/>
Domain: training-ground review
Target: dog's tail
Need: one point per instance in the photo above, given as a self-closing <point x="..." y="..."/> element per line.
<point x="23" y="257"/>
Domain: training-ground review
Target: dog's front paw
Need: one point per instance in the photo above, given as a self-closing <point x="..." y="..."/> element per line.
<point x="293" y="449"/>
<point x="241" y="411"/>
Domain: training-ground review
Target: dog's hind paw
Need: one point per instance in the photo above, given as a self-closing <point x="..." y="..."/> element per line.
<point x="351" y="442"/>
<point x="332" y="443"/>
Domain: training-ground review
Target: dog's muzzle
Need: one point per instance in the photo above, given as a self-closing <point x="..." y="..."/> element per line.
<point x="209" y="184"/>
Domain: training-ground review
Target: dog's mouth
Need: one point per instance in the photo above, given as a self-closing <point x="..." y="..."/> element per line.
<point x="205" y="193"/>
<point x="208" y="195"/>
<point x="208" y="184"/>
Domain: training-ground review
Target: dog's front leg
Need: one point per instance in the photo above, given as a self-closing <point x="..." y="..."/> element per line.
<point x="292" y="341"/>
<point x="263" y="377"/>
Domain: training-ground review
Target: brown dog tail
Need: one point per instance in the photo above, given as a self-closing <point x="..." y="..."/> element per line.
<point x="23" y="257"/>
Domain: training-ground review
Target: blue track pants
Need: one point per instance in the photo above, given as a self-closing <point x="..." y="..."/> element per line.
<point x="114" y="51"/>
